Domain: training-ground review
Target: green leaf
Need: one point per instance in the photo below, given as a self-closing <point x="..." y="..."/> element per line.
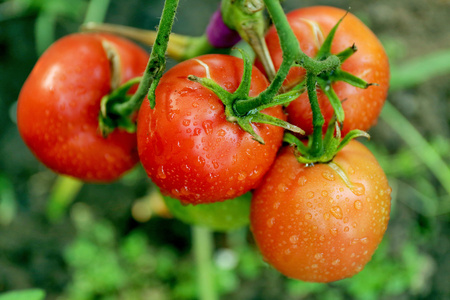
<point x="32" y="294"/>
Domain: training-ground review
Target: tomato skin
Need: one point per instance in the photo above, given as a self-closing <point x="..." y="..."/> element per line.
<point x="361" y="106"/>
<point x="59" y="104"/>
<point x="187" y="146"/>
<point x="310" y="225"/>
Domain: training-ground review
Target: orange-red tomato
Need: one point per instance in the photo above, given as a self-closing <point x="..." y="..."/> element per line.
<point x="321" y="223"/>
<point x="59" y="105"/>
<point x="361" y="106"/>
<point x="189" y="148"/>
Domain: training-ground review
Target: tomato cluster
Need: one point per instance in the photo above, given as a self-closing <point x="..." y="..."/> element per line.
<point x="315" y="222"/>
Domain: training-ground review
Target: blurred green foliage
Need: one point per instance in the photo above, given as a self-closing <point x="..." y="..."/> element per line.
<point x="94" y="249"/>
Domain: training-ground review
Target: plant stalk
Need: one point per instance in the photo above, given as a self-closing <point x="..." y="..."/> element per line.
<point x="203" y="249"/>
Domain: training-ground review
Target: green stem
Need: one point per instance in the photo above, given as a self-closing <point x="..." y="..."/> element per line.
<point x="292" y="53"/>
<point x="96" y="11"/>
<point x="63" y="192"/>
<point x="318" y="120"/>
<point x="157" y="61"/>
<point x="203" y="249"/>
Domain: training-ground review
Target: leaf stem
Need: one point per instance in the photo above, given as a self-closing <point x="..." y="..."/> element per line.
<point x="157" y="61"/>
<point x="203" y="248"/>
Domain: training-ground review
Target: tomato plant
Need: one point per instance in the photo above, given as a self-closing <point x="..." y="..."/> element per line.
<point x="189" y="148"/>
<point x="311" y="25"/>
<point x="59" y="105"/>
<point x="323" y="222"/>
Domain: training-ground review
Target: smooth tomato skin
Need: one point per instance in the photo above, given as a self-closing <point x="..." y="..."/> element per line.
<point x="187" y="146"/>
<point x="361" y="106"/>
<point x="59" y="104"/>
<point x="310" y="225"/>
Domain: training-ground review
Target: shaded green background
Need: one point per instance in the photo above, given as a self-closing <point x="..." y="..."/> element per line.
<point x="96" y="249"/>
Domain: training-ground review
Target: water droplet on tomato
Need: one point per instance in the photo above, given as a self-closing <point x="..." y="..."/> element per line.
<point x="336" y="212"/>
<point x="308" y="216"/>
<point x="215" y="164"/>
<point x="161" y="174"/>
<point x="326" y="216"/>
<point x="301" y="180"/>
<point x="336" y="262"/>
<point x="208" y="126"/>
<point x="328" y="175"/>
<point x="364" y="240"/>
<point x="186" y="122"/>
<point x="310" y="195"/>
<point x="334" y="231"/>
<point x="358" y="189"/>
<point x="318" y="256"/>
<point x="358" y="204"/>
<point x="197" y="131"/>
<point x="282" y="187"/>
<point x="241" y="176"/>
<point x="270" y="222"/>
<point x="221" y="132"/>
<point x="293" y="239"/>
<point x="309" y="204"/>
<point x="324" y="193"/>
<point x="346" y="229"/>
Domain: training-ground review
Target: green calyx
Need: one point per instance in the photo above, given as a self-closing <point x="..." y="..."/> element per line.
<point x="115" y="111"/>
<point x="322" y="148"/>
<point x="242" y="94"/>
<point x="332" y="143"/>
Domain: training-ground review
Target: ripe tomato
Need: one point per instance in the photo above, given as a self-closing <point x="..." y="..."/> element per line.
<point x="187" y="146"/>
<point x="219" y="216"/>
<point x="361" y="106"/>
<point x="60" y="101"/>
<point x="321" y="223"/>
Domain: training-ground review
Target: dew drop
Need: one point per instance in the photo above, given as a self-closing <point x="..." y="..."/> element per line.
<point x="301" y="180"/>
<point x="161" y="173"/>
<point x="208" y="126"/>
<point x="293" y="239"/>
<point x="308" y="216"/>
<point x="186" y="122"/>
<point x="336" y="262"/>
<point x="221" y="132"/>
<point x="358" y="189"/>
<point x="270" y="222"/>
<point x="328" y="176"/>
<point x="334" y="231"/>
<point x="326" y="216"/>
<point x="215" y="164"/>
<point x="351" y="171"/>
<point x="324" y="193"/>
<point x="358" y="204"/>
<point x="310" y="195"/>
<point x="276" y="205"/>
<point x="241" y="176"/>
<point x="318" y="256"/>
<point x="197" y="131"/>
<point x="346" y="229"/>
<point x="309" y="204"/>
<point x="282" y="187"/>
<point x="364" y="240"/>
<point x="322" y="238"/>
<point x="336" y="212"/>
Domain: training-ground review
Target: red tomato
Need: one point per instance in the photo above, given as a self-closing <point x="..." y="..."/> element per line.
<point x="187" y="146"/>
<point x="361" y="106"/>
<point x="321" y="223"/>
<point x="60" y="101"/>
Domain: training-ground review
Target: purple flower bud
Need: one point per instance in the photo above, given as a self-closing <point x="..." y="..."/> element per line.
<point x="219" y="35"/>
